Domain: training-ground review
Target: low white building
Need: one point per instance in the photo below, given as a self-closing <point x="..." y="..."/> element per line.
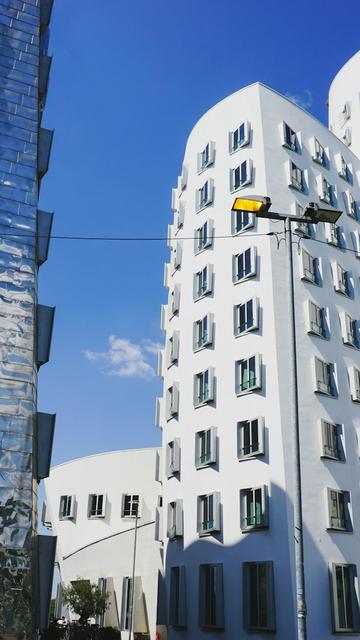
<point x="91" y="505"/>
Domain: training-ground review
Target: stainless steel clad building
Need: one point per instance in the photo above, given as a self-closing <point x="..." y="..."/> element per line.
<point x="26" y="560"/>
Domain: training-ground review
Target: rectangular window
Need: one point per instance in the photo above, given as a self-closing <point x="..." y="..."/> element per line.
<point x="248" y="374"/>
<point x="178" y="609"/>
<point x="350" y="205"/>
<point x="325" y="377"/>
<point x="172" y="401"/>
<point x="259" y="600"/>
<point x="326" y="191"/>
<point x="211" y="588"/>
<point x="173" y="348"/>
<point x="204" y="195"/>
<point x="347" y="136"/>
<point x="66" y="509"/>
<point x="297" y="180"/>
<point x="254" y="508"/>
<point x="241" y="175"/>
<point x="205" y="447"/>
<point x="126" y="603"/>
<point x="203" y="332"/>
<point x="204" y="387"/>
<point x="244" y="265"/>
<point x="240" y="137"/>
<point x="206" y="157"/>
<point x="349" y="330"/>
<point x="343" y="169"/>
<point x="203" y="237"/>
<point x="96" y="506"/>
<point x="246" y="316"/>
<point x="175" y="519"/>
<point x="333" y="234"/>
<point x="354" y="377"/>
<point x="174" y="301"/>
<point x="310" y="268"/>
<point x="173" y="457"/>
<point x="290" y="139"/>
<point x="331" y="440"/>
<point x="250" y="438"/>
<point x="131" y="506"/>
<point x="203" y="282"/>
<point x="341" y="279"/>
<point x="319" y="155"/>
<point x="176" y="255"/>
<point x="338" y="510"/>
<point x="241" y="221"/>
<point x="209" y="513"/>
<point x="345" y="599"/>
<point x="317" y="320"/>
<point x="345" y="113"/>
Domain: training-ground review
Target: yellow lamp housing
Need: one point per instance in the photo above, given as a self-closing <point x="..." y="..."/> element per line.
<point x="255" y="204"/>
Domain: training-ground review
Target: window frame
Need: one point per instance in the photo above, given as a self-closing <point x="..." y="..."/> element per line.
<point x="269" y="604"/>
<point x="173" y="348"/>
<point x="198" y="343"/>
<point x="200" y="289"/>
<point x="242" y="142"/>
<point x="208" y="512"/>
<point x="248" y="503"/>
<point x="331" y="444"/>
<point x="172" y="401"/>
<point x="321" y="386"/>
<point x="310" y="274"/>
<point x="178" y="597"/>
<point x="290" y="138"/>
<point x="216" y="620"/>
<point x="296" y="177"/>
<point x="341" y="279"/>
<point x="205" y="195"/>
<point x="201" y="243"/>
<point x="205" y="440"/>
<point x="254" y="326"/>
<point x="175" y="527"/>
<point x="68" y="501"/>
<point x="354" y="597"/>
<point x="206" y="157"/>
<point x="250" y="224"/>
<point x="241" y="176"/>
<point x="203" y="387"/>
<point x="319" y="326"/>
<point x="96" y="512"/>
<point x="342" y="501"/>
<point x="354" y="379"/>
<point x="173" y="453"/>
<point x="251" y="273"/>
<point x="319" y="153"/>
<point x="248" y="424"/>
<point x="132" y="505"/>
<point x="257" y="377"/>
<point x="349" y="330"/>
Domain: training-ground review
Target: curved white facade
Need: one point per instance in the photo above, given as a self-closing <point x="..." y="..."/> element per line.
<point x="344" y="104"/>
<point x="95" y="539"/>
<point x="203" y="600"/>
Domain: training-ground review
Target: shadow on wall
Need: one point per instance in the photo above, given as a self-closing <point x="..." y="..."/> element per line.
<point x="266" y="545"/>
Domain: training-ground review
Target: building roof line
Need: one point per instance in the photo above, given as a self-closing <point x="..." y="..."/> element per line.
<point x="104" y="453"/>
<point x="357" y="53"/>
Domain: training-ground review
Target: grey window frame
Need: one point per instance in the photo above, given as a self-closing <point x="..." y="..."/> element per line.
<point x="242" y="328"/>
<point x="178" y="599"/>
<point x="211" y="600"/>
<point x="66" y="507"/>
<point x="205" y="447"/>
<point x="203" y="335"/>
<point x="325" y="384"/>
<point x="339" y="515"/>
<point x="290" y="138"/>
<point x="252" y="619"/>
<point x="250" y="518"/>
<point x="297" y="177"/>
<point x="256" y="379"/>
<point x="255" y="442"/>
<point x="317" y="320"/>
<point x="134" y="505"/>
<point x="353" y="598"/>
<point x="331" y="440"/>
<point x="208" y="508"/>
<point x="94" y="510"/>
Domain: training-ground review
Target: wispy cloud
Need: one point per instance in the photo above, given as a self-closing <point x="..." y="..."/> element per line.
<point x="305" y="101"/>
<point x="125" y="359"/>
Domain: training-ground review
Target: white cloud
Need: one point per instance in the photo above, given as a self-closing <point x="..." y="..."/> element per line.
<point x="304" y="101"/>
<point x="125" y="359"/>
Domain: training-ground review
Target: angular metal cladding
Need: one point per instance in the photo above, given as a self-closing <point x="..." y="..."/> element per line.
<point x="45" y="423"/>
<point x="45" y="321"/>
<point x="44" y="226"/>
<point x="44" y="149"/>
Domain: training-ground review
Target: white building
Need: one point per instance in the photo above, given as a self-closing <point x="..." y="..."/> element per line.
<point x="225" y="412"/>
<point x="91" y="505"/>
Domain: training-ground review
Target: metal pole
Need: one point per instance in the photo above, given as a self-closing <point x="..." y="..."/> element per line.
<point x="133" y="576"/>
<point x="298" y="525"/>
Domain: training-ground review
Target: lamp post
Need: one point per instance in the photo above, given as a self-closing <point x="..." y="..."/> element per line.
<point x="313" y="213"/>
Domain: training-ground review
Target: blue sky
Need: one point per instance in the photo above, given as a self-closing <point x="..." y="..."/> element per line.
<point x="128" y="82"/>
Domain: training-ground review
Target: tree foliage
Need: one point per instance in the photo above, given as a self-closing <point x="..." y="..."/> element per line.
<point x="85" y="599"/>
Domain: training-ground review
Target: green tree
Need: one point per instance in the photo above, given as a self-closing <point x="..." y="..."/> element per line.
<point x="85" y="599"/>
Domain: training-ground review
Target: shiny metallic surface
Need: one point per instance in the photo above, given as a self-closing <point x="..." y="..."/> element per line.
<point x="20" y="254"/>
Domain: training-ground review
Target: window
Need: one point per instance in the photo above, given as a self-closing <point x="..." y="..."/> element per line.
<point x="325" y="190"/>
<point x="175" y="300"/>
<point x="126" y="604"/>
<point x="178" y="608"/>
<point x="211" y="609"/>
<point x="349" y="330"/>
<point x="244" y="265"/>
<point x="345" y="113"/>
<point x="203" y="282"/>
<point x="350" y="205"/>
<point x="205" y="447"/>
<point x="176" y="256"/>
<point x="341" y="279"/>
<point x="325" y="377"/>
<point x="310" y="268"/>
<point x="66" y="509"/>
<point x="356" y="242"/>
<point x="173" y="348"/>
<point x="250" y="438"/>
<point x="297" y="180"/>
<point x="248" y="374"/>
<point x="331" y="440"/>
<point x="347" y="136"/>
<point x="172" y="401"/>
<point x="209" y="513"/>
<point x="354" y="377"/>
<point x="131" y="506"/>
<point x="290" y="139"/>
<point x="333" y="234"/>
<point x="241" y="221"/>
<point x="204" y="195"/>
<point x="241" y="175"/>
<point x="240" y="137"/>
<point x="173" y="457"/>
<point x="179" y="216"/>
<point x="175" y="519"/>
<point x="203" y="332"/>
<point x="204" y="387"/>
<point x="319" y="153"/>
<point x="317" y="320"/>
<point x="338" y="510"/>
<point x="345" y="599"/>
<point x="246" y="317"/>
<point x="96" y="506"/>
<point x="259" y="601"/>
<point x="304" y="229"/>
<point x="254" y="508"/>
<point x="203" y="236"/>
<point x="182" y="181"/>
<point x="343" y="169"/>
<point x="206" y="157"/>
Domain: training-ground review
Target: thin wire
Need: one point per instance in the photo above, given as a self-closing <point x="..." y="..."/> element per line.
<point x="339" y="247"/>
<point x="128" y="238"/>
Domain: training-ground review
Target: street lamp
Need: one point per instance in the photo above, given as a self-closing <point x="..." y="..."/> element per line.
<point x="260" y="206"/>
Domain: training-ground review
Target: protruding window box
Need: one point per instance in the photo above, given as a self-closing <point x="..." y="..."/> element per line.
<point x="209" y="513"/>
<point x="248" y="375"/>
<point x="44" y="324"/>
<point x="44" y="149"/>
<point x="254" y="508"/>
<point x="44" y="222"/>
<point x="45" y="426"/>
<point x="44" y="72"/>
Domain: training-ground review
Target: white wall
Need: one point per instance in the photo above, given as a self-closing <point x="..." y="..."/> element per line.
<point x="103" y="547"/>
<point x="265" y="110"/>
<point x="345" y="89"/>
